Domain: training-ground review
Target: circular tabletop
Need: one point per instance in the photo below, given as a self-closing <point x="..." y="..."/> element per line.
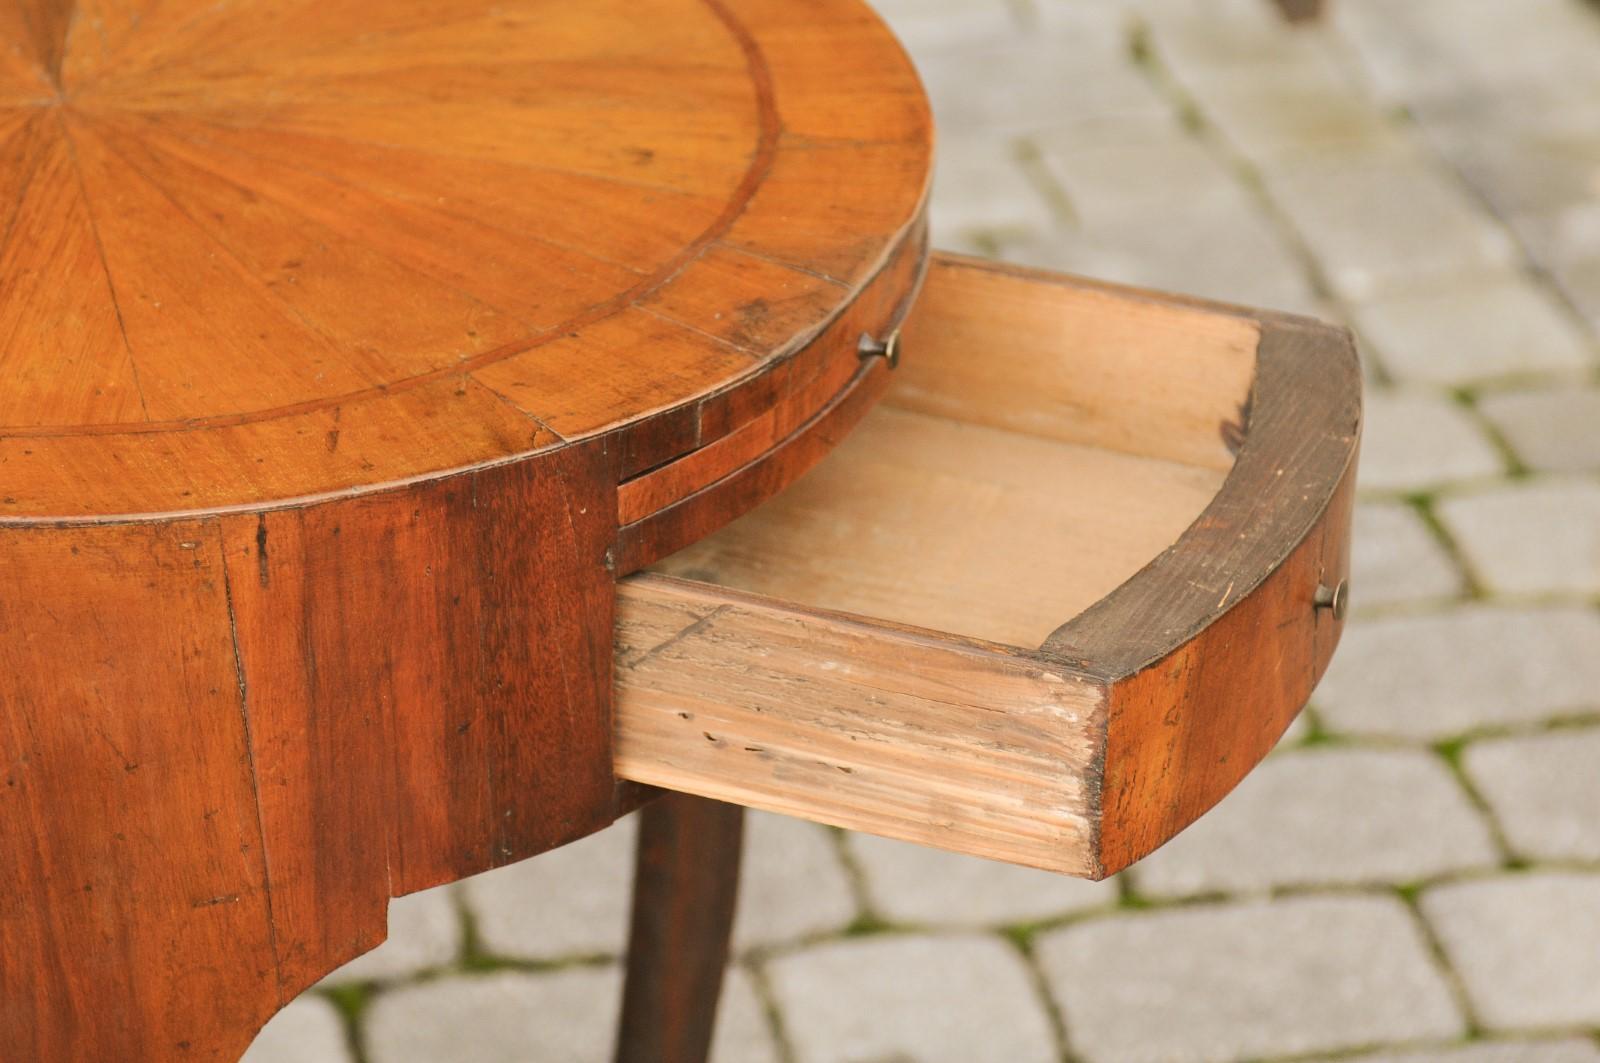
<point x="267" y="251"/>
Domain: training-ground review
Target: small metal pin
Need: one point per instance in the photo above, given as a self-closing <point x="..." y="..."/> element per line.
<point x="1336" y="598"/>
<point x="888" y="349"/>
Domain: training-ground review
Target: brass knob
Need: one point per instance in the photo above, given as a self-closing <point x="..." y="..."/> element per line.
<point x="1336" y="598"/>
<point x="887" y="349"/>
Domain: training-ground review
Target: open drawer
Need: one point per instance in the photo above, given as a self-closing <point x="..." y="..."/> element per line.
<point x="1048" y="603"/>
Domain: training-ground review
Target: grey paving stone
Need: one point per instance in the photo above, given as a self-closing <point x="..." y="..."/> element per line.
<point x="1477" y="329"/>
<point x="1425" y="51"/>
<point x="1580" y="283"/>
<point x="424" y="932"/>
<point x="1219" y="249"/>
<point x="1215" y="983"/>
<point x="1130" y="179"/>
<point x="1402" y="62"/>
<point x="1535" y="163"/>
<point x="571" y="901"/>
<point x="792" y="883"/>
<point x="1294" y="120"/>
<point x="1434" y="676"/>
<point x="1294" y="734"/>
<point x="908" y="883"/>
<point x="743" y="1033"/>
<point x="1525" y="946"/>
<point x="502" y="1017"/>
<point x="1539" y="180"/>
<point x="1326" y="816"/>
<point x="1275" y="93"/>
<point x="307" y="1030"/>
<point x="1562" y="238"/>
<point x="1394" y="557"/>
<point x="890" y="997"/>
<point x="1541" y="537"/>
<point x="926" y="27"/>
<point x="1416" y="441"/>
<point x="1550" y="430"/>
<point x="1109" y="25"/>
<point x="1544" y="790"/>
<point x="1034" y="82"/>
<point x="1387" y="224"/>
<point x="568" y="1015"/>
<point x="574" y="901"/>
<point x="1567" y="1050"/>
<point x="980" y="190"/>
<point x="1234" y="41"/>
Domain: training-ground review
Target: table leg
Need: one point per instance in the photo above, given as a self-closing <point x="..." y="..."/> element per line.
<point x="685" y="884"/>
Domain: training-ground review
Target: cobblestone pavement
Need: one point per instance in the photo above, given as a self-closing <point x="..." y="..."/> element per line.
<point x="1415" y="874"/>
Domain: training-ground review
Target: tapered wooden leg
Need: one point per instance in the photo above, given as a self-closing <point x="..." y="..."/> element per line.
<point x="685" y="883"/>
<point x="1300" y="10"/>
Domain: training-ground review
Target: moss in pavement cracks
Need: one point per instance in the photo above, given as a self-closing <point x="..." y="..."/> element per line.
<point x="1515" y="468"/>
<point x="867" y="924"/>
<point x="1451" y="750"/>
<point x="351" y="999"/>
<point x="351" y="1002"/>
<point x="1316" y="734"/>
<point x="1422" y="504"/>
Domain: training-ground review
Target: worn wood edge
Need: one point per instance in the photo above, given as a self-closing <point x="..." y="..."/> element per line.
<point x="877" y="303"/>
<point x="1193" y="702"/>
<point x="697" y="514"/>
<point x="833" y="339"/>
<point x="1132" y="293"/>
<point x="877" y="310"/>
<point x="1181" y="734"/>
<point x="1078" y="364"/>
<point x="889" y="729"/>
<point x="1300" y="443"/>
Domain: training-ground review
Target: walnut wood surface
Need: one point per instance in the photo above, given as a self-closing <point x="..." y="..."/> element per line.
<point x="1071" y="458"/>
<point x="329" y="332"/>
<point x="263" y="251"/>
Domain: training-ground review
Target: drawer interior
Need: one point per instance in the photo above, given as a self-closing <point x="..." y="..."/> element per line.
<point x="939" y="523"/>
<point x="1015" y="473"/>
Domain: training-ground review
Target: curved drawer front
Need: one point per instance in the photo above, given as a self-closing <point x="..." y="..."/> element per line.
<point x="1050" y="600"/>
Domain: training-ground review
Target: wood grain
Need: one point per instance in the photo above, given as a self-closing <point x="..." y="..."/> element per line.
<point x="230" y="741"/>
<point x="225" y="227"/>
<point x="728" y="431"/>
<point x="134" y="907"/>
<point x="439" y="703"/>
<point x="329" y="333"/>
<point x="1079" y="465"/>
<point x="698" y="513"/>
<point x="1045" y="529"/>
<point x="1071" y="361"/>
<point x="856" y="723"/>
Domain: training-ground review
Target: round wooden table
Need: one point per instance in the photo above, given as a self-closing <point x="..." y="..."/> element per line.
<point x="352" y="352"/>
<point x="358" y="356"/>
